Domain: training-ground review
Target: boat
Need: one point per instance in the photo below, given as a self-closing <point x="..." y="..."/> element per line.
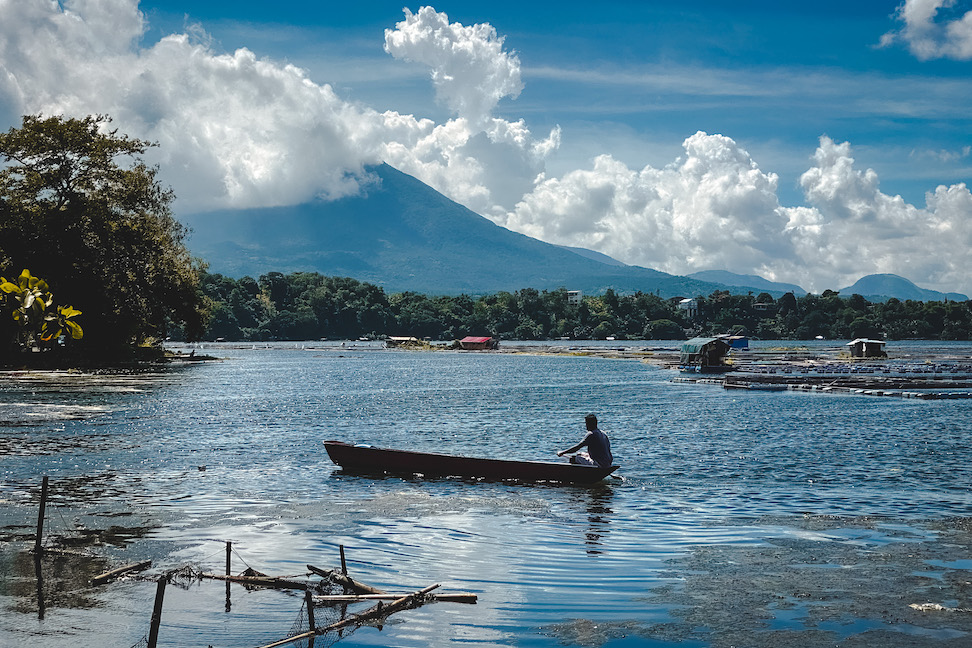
<point x="368" y="459"/>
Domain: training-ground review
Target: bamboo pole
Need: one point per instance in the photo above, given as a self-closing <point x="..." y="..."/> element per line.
<point x="260" y="581"/>
<point x="459" y="597"/>
<point x="379" y="610"/>
<point x="108" y="575"/>
<point x="344" y="563"/>
<point x="347" y="581"/>
<point x="40" y="517"/>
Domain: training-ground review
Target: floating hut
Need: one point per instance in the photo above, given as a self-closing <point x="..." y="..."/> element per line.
<point x="864" y="348"/>
<point x="705" y="355"/>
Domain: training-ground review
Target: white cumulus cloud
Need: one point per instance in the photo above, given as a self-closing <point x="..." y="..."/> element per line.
<point x="470" y="70"/>
<point x="714" y="208"/>
<point x="238" y="130"/>
<point x="928" y="35"/>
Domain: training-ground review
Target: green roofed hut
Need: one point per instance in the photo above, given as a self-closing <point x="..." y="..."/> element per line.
<point x="705" y="355"/>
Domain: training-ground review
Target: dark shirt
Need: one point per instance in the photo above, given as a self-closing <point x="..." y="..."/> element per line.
<point x="599" y="447"/>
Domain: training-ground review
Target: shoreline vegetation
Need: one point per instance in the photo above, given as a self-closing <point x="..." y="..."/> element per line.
<point x="310" y="306"/>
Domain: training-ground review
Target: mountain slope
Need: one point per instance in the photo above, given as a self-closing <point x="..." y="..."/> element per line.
<point x="403" y="235"/>
<point x="881" y="287"/>
<point x="754" y="282"/>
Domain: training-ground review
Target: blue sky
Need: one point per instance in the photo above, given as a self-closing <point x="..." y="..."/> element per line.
<point x="798" y="141"/>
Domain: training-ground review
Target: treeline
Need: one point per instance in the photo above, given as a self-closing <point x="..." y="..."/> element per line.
<point x="309" y="306"/>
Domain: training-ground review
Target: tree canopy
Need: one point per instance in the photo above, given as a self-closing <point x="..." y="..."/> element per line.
<point x="102" y="233"/>
<point x="308" y="306"/>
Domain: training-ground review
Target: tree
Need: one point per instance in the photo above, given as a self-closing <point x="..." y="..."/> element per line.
<point x="102" y="232"/>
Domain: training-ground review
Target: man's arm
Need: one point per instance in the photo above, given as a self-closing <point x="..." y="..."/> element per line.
<point x="575" y="448"/>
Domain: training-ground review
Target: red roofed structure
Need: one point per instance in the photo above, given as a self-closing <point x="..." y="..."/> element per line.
<point x="473" y="343"/>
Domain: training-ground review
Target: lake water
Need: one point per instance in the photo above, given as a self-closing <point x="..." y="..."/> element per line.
<point x="742" y="519"/>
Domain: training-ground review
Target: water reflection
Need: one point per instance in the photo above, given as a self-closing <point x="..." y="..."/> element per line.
<point x="50" y="580"/>
<point x="596" y="503"/>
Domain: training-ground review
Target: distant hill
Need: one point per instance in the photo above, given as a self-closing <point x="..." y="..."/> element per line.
<point x="754" y="282"/>
<point x="403" y="235"/>
<point x="881" y="287"/>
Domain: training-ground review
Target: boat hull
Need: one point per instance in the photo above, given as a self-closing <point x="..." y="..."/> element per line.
<point x="378" y="460"/>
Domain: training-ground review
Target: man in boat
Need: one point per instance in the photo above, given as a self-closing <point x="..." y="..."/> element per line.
<point x="598" y="447"/>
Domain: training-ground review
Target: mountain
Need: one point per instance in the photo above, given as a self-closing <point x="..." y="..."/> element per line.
<point x="881" y="287"/>
<point x="592" y="254"/>
<point x="754" y="282"/>
<point x="403" y="235"/>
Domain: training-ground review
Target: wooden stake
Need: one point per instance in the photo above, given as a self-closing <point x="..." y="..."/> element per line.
<point x="309" y="602"/>
<point x="344" y="563"/>
<point x="39" y="572"/>
<point x="229" y="558"/>
<point x="153" y="637"/>
<point x="40" y="517"/>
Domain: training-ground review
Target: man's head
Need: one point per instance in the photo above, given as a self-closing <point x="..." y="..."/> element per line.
<point x="591" y="422"/>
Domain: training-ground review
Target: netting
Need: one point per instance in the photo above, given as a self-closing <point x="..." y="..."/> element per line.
<point x="336" y="621"/>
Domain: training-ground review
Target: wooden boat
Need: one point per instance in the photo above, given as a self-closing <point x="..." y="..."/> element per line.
<point x="366" y="459"/>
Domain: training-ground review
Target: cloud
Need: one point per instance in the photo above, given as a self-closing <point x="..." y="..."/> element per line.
<point x="928" y="37"/>
<point x="237" y="130"/>
<point x="862" y="230"/>
<point x="470" y="70"/>
<point x="714" y="208"/>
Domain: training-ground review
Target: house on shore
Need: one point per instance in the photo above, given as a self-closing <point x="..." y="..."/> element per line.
<point x="474" y="343"/>
<point x="690" y="306"/>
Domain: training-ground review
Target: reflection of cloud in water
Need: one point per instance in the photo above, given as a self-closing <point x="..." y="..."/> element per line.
<point x="852" y="586"/>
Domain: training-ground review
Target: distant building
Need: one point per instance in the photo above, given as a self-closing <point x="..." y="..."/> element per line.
<point x="397" y="341"/>
<point x="574" y="297"/>
<point x="473" y="343"/>
<point x="691" y="306"/>
<point x="864" y="348"/>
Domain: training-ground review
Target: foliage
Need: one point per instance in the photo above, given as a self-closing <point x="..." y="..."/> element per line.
<point x="102" y="232"/>
<point x="311" y="306"/>
<point x="31" y="307"/>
